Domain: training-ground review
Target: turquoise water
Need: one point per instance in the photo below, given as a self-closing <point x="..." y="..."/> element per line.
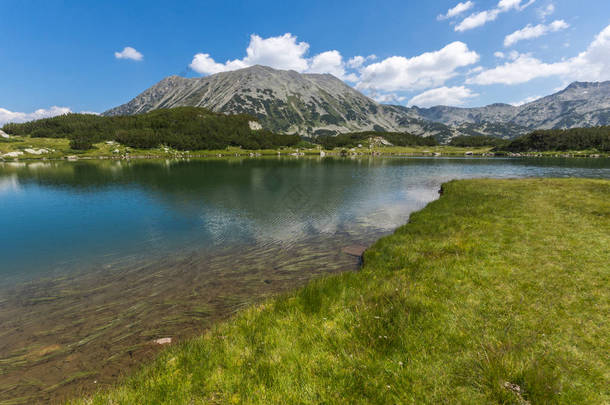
<point x="62" y="216"/>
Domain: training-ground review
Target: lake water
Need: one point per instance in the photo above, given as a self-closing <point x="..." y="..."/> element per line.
<point x="99" y="259"/>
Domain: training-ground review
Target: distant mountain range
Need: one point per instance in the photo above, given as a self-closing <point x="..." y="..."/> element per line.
<point x="317" y="104"/>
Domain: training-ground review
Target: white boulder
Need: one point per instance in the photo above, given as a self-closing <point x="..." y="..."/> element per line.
<point x="36" y="151"/>
<point x="13" y="154"/>
<point x="254" y="126"/>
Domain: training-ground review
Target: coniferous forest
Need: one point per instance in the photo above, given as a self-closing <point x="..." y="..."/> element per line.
<point x="194" y="128"/>
<point x="183" y="128"/>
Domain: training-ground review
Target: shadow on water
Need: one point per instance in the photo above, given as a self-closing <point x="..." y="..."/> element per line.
<point x="99" y="259"/>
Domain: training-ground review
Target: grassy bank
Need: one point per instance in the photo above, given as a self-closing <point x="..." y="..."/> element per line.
<point x="495" y="293"/>
<point x="59" y="148"/>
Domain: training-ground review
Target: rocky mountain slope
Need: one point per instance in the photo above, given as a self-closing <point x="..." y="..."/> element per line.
<point x="317" y="104"/>
<point x="578" y="105"/>
<point x="284" y="101"/>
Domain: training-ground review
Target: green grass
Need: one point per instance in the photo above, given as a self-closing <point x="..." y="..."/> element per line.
<point x="497" y="293"/>
<point x="59" y="148"/>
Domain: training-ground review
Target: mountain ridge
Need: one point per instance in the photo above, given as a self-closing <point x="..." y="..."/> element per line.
<point x="315" y="104"/>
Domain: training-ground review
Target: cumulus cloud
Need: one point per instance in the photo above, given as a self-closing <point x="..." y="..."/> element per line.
<point x="482" y="17"/>
<point x="430" y="69"/>
<point x="443" y="96"/>
<point x="330" y="62"/>
<point x="457" y="10"/>
<point x="281" y="52"/>
<point x="203" y="63"/>
<point x="129" y="53"/>
<point x="591" y="65"/>
<point x="534" y="31"/>
<point x="7" y="116"/>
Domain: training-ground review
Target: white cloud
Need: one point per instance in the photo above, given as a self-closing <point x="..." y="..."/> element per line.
<point x="534" y="31"/>
<point x="476" y="20"/>
<point x="429" y="69"/>
<point x="388" y="98"/>
<point x="590" y="65"/>
<point x="358" y="61"/>
<point x="12" y="116"/>
<point x="129" y="53"/>
<point x="523" y="69"/>
<point x="281" y="52"/>
<point x="526" y="100"/>
<point x="482" y="17"/>
<point x="544" y="12"/>
<point x="330" y="62"/>
<point x="499" y="55"/>
<point x="203" y="63"/>
<point x="506" y="5"/>
<point x="443" y="96"/>
<point x="457" y="10"/>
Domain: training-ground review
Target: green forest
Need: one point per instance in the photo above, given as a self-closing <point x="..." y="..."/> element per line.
<point x="182" y="128"/>
<point x="352" y="139"/>
<point x="477" y="141"/>
<point x="597" y="138"/>
<point x="193" y="128"/>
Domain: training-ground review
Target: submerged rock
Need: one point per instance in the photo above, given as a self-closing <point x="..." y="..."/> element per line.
<point x="354" y="250"/>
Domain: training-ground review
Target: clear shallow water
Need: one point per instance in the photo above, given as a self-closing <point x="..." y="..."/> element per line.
<point x="100" y="258"/>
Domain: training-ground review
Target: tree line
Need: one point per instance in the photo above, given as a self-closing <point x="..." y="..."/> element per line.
<point x="471" y="141"/>
<point x="597" y="138"/>
<point x="183" y="128"/>
<point x="353" y="139"/>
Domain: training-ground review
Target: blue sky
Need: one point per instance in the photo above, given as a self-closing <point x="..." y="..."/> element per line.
<point x="58" y="56"/>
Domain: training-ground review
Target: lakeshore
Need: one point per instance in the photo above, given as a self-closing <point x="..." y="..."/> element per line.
<point x="495" y="293"/>
<point x="18" y="148"/>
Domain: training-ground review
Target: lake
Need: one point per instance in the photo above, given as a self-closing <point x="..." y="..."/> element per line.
<point x="101" y="258"/>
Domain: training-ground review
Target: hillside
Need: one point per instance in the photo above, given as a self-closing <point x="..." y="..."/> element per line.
<point x="182" y="128"/>
<point x="578" y="105"/>
<point x="321" y="104"/>
<point x="283" y="101"/>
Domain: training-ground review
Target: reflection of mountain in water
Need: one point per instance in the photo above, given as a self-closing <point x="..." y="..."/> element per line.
<point x="261" y="198"/>
<point x="147" y="207"/>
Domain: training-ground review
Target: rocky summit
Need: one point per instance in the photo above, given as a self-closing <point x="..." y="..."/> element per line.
<point x="321" y="104"/>
<point x="578" y="105"/>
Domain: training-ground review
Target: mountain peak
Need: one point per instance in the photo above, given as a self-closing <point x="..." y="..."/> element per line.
<point x="314" y="104"/>
<point x="282" y="100"/>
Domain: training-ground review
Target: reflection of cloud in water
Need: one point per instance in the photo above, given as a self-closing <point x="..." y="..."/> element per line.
<point x="169" y="205"/>
<point x="9" y="184"/>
